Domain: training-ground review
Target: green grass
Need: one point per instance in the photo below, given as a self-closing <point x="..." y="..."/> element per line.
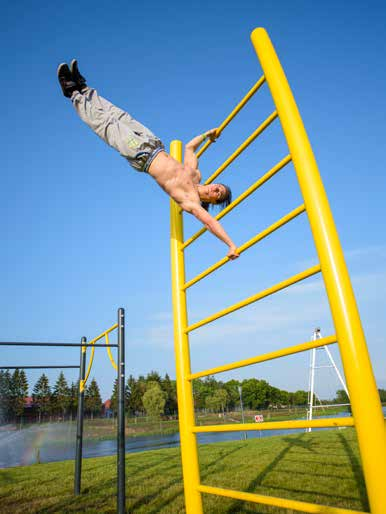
<point x="321" y="467"/>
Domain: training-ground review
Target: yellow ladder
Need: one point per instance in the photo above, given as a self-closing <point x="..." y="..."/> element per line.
<point x="366" y="408"/>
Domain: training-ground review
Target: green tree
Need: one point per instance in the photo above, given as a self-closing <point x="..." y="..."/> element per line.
<point x="92" y="399"/>
<point x="19" y="392"/>
<point x="341" y="397"/>
<point x="284" y="397"/>
<point x="256" y="393"/>
<point x="73" y="403"/>
<point x="5" y="396"/>
<point x="232" y="388"/>
<point x="61" y="395"/>
<point x="274" y="396"/>
<point x="154" y="400"/>
<point x="217" y="401"/>
<point x="300" y="397"/>
<point x="41" y="396"/>
<point x="153" y="376"/>
<point x="170" y="389"/>
<point x="114" y="397"/>
<point x="203" y="389"/>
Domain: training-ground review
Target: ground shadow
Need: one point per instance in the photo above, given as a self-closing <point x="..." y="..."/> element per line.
<point x="357" y="472"/>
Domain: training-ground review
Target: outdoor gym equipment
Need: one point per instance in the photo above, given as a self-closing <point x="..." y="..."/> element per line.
<point x="83" y="377"/>
<point x="366" y="407"/>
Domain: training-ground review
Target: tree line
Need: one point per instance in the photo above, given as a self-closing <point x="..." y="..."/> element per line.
<point x="46" y="403"/>
<point x="150" y="395"/>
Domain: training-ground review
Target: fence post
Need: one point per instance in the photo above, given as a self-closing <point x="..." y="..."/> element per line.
<point x="79" y="420"/>
<point x="121" y="493"/>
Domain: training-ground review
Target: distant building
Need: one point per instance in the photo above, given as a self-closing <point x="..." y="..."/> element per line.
<point x="106" y="409"/>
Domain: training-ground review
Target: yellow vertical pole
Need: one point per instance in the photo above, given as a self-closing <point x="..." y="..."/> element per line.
<point x="363" y="391"/>
<point x="189" y="454"/>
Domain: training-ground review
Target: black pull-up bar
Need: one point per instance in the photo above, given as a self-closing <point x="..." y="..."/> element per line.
<point x="57" y="344"/>
<point x="38" y="367"/>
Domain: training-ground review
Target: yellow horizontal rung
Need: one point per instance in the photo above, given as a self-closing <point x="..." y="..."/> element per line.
<point x="266" y="357"/>
<point x="235" y="111"/>
<point x="312" y="508"/>
<point x="242" y="197"/>
<point x="256" y="297"/>
<point x="288" y="217"/>
<point x="242" y="147"/>
<point x="277" y="425"/>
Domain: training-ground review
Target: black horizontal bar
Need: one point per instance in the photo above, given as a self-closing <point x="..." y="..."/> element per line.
<point x="58" y="344"/>
<point x="37" y="367"/>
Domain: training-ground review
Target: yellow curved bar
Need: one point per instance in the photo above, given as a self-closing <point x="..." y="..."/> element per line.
<point x="109" y="352"/>
<point x="235" y="111"/>
<point x="84" y="382"/>
<point x="364" y="396"/>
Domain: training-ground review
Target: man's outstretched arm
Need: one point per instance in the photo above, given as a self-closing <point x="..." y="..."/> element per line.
<point x="214" y="227"/>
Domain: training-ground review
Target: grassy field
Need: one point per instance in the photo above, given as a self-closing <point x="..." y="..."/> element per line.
<point x="321" y="467"/>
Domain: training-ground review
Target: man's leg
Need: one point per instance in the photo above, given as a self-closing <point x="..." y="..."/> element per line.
<point x="124" y="117"/>
<point x="116" y="127"/>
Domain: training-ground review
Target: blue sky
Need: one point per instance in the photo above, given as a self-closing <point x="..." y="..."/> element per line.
<point x="83" y="233"/>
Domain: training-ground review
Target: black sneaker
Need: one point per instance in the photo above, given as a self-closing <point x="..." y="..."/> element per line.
<point x="66" y="81"/>
<point x="77" y="77"/>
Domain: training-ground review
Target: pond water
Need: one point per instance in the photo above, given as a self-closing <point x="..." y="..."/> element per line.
<point x="56" y="442"/>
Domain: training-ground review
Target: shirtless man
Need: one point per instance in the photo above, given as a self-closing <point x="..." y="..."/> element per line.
<point x="146" y="153"/>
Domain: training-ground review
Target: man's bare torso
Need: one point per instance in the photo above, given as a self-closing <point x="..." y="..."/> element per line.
<point x="177" y="180"/>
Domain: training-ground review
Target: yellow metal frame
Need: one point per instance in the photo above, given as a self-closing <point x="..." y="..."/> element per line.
<point x="104" y="334"/>
<point x="366" y="407"/>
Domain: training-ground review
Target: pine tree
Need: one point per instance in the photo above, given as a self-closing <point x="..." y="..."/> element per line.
<point x="41" y="396"/>
<point x="153" y="376"/>
<point x="5" y="396"/>
<point x="19" y="392"/>
<point x="114" y="397"/>
<point x="61" y="395"/>
<point x="93" y="400"/>
<point x="169" y="387"/>
<point x="135" y="390"/>
<point x="73" y="404"/>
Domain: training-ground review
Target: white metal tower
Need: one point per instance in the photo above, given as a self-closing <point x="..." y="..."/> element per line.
<point x="311" y="382"/>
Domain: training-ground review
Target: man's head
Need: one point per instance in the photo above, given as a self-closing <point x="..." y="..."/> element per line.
<point x="215" y="194"/>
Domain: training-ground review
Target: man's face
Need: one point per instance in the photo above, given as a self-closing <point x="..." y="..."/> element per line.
<point x="217" y="193"/>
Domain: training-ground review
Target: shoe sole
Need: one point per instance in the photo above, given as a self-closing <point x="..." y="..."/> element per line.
<point x="60" y="66"/>
<point x="72" y="64"/>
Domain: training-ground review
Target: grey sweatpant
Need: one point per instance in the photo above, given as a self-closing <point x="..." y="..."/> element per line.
<point x="117" y="128"/>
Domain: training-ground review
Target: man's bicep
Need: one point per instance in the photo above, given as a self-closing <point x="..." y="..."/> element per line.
<point x="190" y="158"/>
